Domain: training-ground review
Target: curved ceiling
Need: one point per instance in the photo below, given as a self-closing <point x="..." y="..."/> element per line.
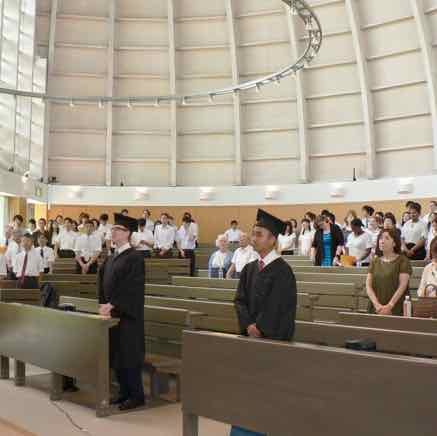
<point x="367" y="102"/>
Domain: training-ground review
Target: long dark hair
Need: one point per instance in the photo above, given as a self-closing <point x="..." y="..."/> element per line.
<point x="396" y="238"/>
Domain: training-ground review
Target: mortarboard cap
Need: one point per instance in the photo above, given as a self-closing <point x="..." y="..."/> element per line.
<point x="270" y="222"/>
<point x="125" y="222"/>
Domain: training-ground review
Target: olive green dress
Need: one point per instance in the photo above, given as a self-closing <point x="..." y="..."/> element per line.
<point x="385" y="280"/>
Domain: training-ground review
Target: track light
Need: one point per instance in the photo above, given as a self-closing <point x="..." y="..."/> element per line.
<point x="211" y="98"/>
<point x="25" y="177"/>
<point x="129" y="104"/>
<point x="184" y="101"/>
<point x="71" y="103"/>
<point x="236" y="91"/>
<point x="278" y="80"/>
<point x="101" y="104"/>
<point x="157" y="102"/>
<point x="258" y="88"/>
<point x="309" y="24"/>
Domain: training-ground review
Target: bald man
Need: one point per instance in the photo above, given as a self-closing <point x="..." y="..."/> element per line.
<point x="242" y="256"/>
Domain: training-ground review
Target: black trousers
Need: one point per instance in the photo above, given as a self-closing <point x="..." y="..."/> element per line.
<point x="190" y="254"/>
<point x="28" y="283"/>
<point x="92" y="269"/>
<point x="131" y="383"/>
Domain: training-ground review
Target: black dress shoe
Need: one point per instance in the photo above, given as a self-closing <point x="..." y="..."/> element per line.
<point x="117" y="401"/>
<point x="131" y="404"/>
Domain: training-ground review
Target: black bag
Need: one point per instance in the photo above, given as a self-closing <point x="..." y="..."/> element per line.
<point x="49" y="296"/>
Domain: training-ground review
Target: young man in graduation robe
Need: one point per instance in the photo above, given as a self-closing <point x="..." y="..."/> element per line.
<point x="121" y="295"/>
<point x="266" y="297"/>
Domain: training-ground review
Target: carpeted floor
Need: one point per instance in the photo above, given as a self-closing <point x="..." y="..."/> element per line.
<point x="30" y="409"/>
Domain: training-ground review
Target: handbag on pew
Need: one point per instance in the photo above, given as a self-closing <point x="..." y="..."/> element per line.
<point x="425" y="307"/>
<point x="348" y="261"/>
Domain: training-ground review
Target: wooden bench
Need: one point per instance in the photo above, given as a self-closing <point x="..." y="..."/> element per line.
<point x="23" y="296"/>
<point x="8" y="284"/>
<point x="314" y="387"/>
<point x="191" y="299"/>
<point x="163" y="337"/>
<point x="74" y="289"/>
<point x="417" y="272"/>
<point x="423" y="325"/>
<point x="72" y="344"/>
<point x="77" y="278"/>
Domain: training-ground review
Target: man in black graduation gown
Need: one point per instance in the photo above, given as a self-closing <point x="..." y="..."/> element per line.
<point x="266" y="297"/>
<point x="121" y="295"/>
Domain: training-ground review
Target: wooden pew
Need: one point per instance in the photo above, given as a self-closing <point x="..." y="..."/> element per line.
<point x="75" y="289"/>
<point x="163" y="338"/>
<point x="77" y="278"/>
<point x="8" y="284"/>
<point x="313" y="390"/>
<point x="71" y="344"/>
<point x="424" y="325"/>
<point x="23" y="296"/>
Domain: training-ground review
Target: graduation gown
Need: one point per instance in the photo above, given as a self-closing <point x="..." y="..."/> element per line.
<point x="121" y="283"/>
<point x="268" y="299"/>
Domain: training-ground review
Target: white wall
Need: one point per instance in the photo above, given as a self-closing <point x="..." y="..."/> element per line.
<point x="87" y="147"/>
<point x="313" y="193"/>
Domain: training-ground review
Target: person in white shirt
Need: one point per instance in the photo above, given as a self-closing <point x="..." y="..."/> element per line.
<point x="150" y="224"/>
<point x="366" y="213"/>
<point x="186" y="239"/>
<point x="87" y="248"/>
<point x="188" y="216"/>
<point x="306" y="238"/>
<point x="242" y="256"/>
<point x="165" y="235"/>
<point x="233" y="234"/>
<point x="3" y="270"/>
<point x="428" y="283"/>
<point x="47" y="254"/>
<point x="287" y="242"/>
<point x="60" y="220"/>
<point x="143" y="239"/>
<point x="28" y="265"/>
<point x="432" y="209"/>
<point x="432" y="235"/>
<point x="359" y="243"/>
<point x="14" y="247"/>
<point x="65" y="241"/>
<point x="414" y="235"/>
<point x="104" y="230"/>
<point x="32" y="226"/>
<point x="220" y="261"/>
<point x="374" y="231"/>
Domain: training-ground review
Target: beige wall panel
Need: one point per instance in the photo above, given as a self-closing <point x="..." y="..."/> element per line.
<point x="376" y="11"/>
<point x="268" y="115"/>
<point x="205" y="118"/>
<point x="406" y="163"/>
<point x="140" y="147"/>
<point x="43" y="6"/>
<point x="203" y="62"/>
<point x="337" y="48"/>
<point x="337" y="167"/>
<point x="42" y="28"/>
<point x="345" y="108"/>
<point x="267" y="144"/>
<point x="74" y="173"/>
<point x="82" y="32"/>
<point x="97" y="8"/>
<point x="263" y="59"/>
<point x="206" y="146"/>
<point x="201" y="33"/>
<point x="192" y="8"/>
<point x="284" y="171"/>
<point x="247" y="6"/>
<point x="205" y="173"/>
<point x="78" y="60"/>
<point x="77" y="145"/>
<point x="401" y="101"/>
<point x="77" y="117"/>
<point x="140" y="118"/>
<point x="140" y="174"/>
<point x="77" y="86"/>
<point x="128" y="33"/>
<point x="337" y="139"/>
<point x="141" y="8"/>
<point x="141" y="62"/>
<point x="262" y="28"/>
<point x="131" y="87"/>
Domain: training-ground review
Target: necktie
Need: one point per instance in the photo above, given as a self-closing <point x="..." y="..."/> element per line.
<point x="23" y="270"/>
<point x="42" y="252"/>
<point x="261" y="265"/>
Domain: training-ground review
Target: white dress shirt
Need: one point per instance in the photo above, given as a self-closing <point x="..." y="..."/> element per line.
<point x="187" y="237"/>
<point x="11" y="252"/>
<point x="150" y="225"/>
<point x="88" y="246"/>
<point x="218" y="260"/>
<point x="104" y="231"/>
<point x="34" y="264"/>
<point x="358" y="245"/>
<point x="2" y="265"/>
<point x="306" y="242"/>
<point x="243" y="256"/>
<point x="145" y="235"/>
<point x="271" y="257"/>
<point x="164" y="237"/>
<point x="287" y="242"/>
<point x="233" y="235"/>
<point x="413" y="232"/>
<point x="66" y="240"/>
<point x="123" y="248"/>
<point x="47" y="256"/>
